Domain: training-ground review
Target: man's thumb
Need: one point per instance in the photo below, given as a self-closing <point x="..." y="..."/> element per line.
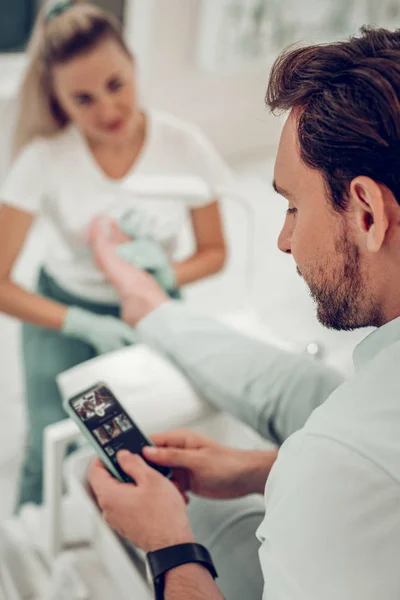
<point x="169" y="457"/>
<point x="133" y="465"/>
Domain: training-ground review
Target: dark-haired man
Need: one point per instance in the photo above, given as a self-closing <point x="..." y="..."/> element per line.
<point x="332" y="523"/>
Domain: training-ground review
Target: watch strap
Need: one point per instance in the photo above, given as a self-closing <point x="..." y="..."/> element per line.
<point x="163" y="560"/>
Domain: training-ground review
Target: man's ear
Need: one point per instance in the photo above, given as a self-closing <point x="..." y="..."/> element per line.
<point x="368" y="203"/>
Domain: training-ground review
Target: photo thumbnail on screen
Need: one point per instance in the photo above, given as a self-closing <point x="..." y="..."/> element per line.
<point x="93" y="404"/>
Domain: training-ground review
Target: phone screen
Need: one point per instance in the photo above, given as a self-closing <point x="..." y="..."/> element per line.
<point x="110" y="426"/>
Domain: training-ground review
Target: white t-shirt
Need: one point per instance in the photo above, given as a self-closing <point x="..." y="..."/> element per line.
<point x="59" y="179"/>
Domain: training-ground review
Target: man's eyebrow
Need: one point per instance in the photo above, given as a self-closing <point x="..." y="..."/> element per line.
<point x="280" y="190"/>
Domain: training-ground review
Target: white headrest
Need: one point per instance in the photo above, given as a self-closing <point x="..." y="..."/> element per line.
<point x="153" y="391"/>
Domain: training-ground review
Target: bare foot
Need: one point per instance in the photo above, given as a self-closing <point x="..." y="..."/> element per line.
<point x="139" y="292"/>
<point x="111" y="229"/>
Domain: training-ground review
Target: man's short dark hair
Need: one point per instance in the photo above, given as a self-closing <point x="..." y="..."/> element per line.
<point x="347" y="95"/>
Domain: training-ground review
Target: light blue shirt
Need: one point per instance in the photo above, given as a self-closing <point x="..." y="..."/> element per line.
<point x="332" y="525"/>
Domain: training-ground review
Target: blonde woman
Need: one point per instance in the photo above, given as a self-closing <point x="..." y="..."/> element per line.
<point x="81" y="136"/>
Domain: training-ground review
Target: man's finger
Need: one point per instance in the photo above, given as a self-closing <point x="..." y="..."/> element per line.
<point x="98" y="472"/>
<point x="134" y="466"/>
<point x="178" y="438"/>
<point x="170" y="457"/>
<point x="182" y="493"/>
<point x="100" y="480"/>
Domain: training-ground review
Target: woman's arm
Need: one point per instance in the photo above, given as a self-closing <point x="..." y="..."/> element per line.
<point x="14" y="300"/>
<point x="210" y="254"/>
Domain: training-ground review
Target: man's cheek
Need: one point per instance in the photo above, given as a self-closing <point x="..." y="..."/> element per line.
<point x="303" y="244"/>
<point x="296" y="250"/>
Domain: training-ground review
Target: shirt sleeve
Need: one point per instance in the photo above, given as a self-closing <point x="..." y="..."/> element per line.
<point x="332" y="525"/>
<point x="26" y="184"/>
<point x="271" y="390"/>
<point x="208" y="164"/>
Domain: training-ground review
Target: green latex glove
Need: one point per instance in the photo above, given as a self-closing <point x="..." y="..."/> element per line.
<point x="145" y="253"/>
<point x="133" y="224"/>
<point x="149" y="255"/>
<point x="105" y="333"/>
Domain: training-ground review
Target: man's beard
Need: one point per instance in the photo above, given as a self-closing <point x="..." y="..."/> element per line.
<point x="342" y="299"/>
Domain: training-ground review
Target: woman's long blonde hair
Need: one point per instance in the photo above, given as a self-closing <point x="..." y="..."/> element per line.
<point x="57" y="40"/>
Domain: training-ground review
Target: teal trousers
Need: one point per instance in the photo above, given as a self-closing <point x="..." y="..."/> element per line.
<point x="46" y="353"/>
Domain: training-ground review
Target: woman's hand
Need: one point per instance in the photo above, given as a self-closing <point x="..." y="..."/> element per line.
<point x="149" y="255"/>
<point x="104" y="332"/>
<point x="209" y="469"/>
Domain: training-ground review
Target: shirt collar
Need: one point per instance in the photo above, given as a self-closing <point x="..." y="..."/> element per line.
<point x="376" y="341"/>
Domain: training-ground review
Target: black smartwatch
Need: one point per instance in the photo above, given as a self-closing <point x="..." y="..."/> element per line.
<point x="165" y="559"/>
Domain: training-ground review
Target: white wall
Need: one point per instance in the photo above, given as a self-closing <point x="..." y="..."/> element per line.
<point x="230" y="108"/>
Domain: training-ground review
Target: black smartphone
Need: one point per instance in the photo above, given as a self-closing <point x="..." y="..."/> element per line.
<point x="109" y="428"/>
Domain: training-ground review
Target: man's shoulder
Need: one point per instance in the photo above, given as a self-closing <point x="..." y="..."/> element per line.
<point x="327" y="475"/>
<point x="319" y="461"/>
<point x="328" y="511"/>
<point x="364" y="412"/>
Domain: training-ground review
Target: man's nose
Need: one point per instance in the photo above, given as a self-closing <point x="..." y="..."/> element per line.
<point x="284" y="240"/>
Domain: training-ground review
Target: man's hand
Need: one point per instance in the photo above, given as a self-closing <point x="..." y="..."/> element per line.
<point x="139" y="292"/>
<point x="209" y="469"/>
<point x="151" y="513"/>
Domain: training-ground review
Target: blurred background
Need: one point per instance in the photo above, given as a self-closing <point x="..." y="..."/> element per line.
<point x="206" y="61"/>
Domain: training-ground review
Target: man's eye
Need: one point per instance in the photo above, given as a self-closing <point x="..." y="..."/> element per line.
<point x="291" y="211"/>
